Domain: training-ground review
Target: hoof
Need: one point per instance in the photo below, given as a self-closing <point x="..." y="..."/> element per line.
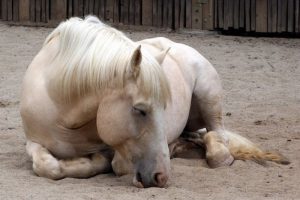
<point x="215" y="163"/>
<point x="218" y="155"/>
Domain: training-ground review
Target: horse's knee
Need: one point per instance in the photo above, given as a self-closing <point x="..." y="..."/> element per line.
<point x="101" y="163"/>
<point x="121" y="166"/>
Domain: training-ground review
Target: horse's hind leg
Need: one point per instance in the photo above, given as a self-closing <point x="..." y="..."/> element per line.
<point x="206" y="112"/>
<point x="46" y="165"/>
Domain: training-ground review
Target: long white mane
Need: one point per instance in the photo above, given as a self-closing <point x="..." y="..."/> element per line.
<point x="93" y="56"/>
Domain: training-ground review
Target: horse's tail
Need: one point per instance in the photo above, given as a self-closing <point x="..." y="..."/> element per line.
<point x="243" y="149"/>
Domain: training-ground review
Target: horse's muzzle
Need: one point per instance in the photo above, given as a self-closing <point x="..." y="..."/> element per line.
<point x="158" y="179"/>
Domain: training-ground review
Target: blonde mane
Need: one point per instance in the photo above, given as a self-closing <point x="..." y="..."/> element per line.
<point x="93" y="56"/>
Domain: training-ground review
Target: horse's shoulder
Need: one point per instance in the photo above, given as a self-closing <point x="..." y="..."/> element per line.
<point x="77" y="114"/>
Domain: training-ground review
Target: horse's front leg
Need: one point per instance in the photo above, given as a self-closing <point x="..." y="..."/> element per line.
<point x="120" y="165"/>
<point x="46" y="165"/>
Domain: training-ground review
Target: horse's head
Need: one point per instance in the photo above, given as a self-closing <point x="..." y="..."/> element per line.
<point x="130" y="120"/>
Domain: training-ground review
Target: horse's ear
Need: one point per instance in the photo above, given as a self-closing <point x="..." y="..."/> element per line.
<point x="162" y="55"/>
<point x="136" y="60"/>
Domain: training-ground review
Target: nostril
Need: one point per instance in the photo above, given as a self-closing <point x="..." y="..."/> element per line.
<point x="160" y="179"/>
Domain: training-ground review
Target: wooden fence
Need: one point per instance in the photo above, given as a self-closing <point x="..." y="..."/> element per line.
<point x="274" y="16"/>
<point x="174" y="14"/>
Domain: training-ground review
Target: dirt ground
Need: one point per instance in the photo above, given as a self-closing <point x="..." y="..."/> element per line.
<point x="261" y="79"/>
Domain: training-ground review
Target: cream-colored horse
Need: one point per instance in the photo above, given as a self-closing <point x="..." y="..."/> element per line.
<point x="93" y="99"/>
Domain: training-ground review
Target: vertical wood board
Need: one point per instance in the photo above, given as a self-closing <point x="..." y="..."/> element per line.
<point x="261" y="16"/>
<point x="196" y="14"/>
<point x="24" y="10"/>
<point x="9" y="10"/>
<point x="147" y="12"/>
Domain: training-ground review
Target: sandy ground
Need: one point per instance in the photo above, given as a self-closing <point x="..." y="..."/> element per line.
<point x="261" y="78"/>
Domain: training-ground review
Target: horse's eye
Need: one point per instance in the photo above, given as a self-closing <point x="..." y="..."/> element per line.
<point x="139" y="111"/>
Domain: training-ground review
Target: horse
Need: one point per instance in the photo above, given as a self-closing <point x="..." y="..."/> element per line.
<point x="94" y="101"/>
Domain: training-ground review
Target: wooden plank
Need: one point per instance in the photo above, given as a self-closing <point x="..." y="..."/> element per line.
<point x="47" y="10"/>
<point x="116" y="11"/>
<point x="38" y="10"/>
<point x="230" y="13"/>
<point x="242" y="14"/>
<point x="269" y="16"/>
<point x="59" y="10"/>
<point x="210" y="22"/>
<point x="9" y="10"/>
<point x="261" y="16"/>
<point x="283" y="15"/>
<point x="226" y="14"/>
<point x="85" y="7"/>
<point x="215" y="14"/>
<point x="253" y="14"/>
<point x="196" y="14"/>
<point x="70" y="8"/>
<point x="109" y="11"/>
<point x="291" y="13"/>
<point x="279" y="16"/>
<point x="91" y="7"/>
<point x="52" y="5"/>
<point x="177" y="14"/>
<point x="32" y="10"/>
<point x="188" y="11"/>
<point x="247" y="15"/>
<point x="124" y="11"/>
<point x="137" y="15"/>
<point x="165" y="13"/>
<point x="80" y="8"/>
<point x="102" y="9"/>
<point x="75" y="8"/>
<point x="96" y="8"/>
<point x="23" y="10"/>
<point x="274" y="16"/>
<point x="43" y="11"/>
<point x="220" y="13"/>
<point x="207" y="13"/>
<point x="181" y="13"/>
<point x="170" y="14"/>
<point x="297" y="16"/>
<point x="159" y="13"/>
<point x="154" y="12"/>
<point x="131" y="12"/>
<point x="147" y="12"/>
<point x="4" y="9"/>
<point x="236" y="10"/>
<point x="15" y="10"/>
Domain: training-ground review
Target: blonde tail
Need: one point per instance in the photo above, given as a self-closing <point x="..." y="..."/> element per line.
<point x="243" y="149"/>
